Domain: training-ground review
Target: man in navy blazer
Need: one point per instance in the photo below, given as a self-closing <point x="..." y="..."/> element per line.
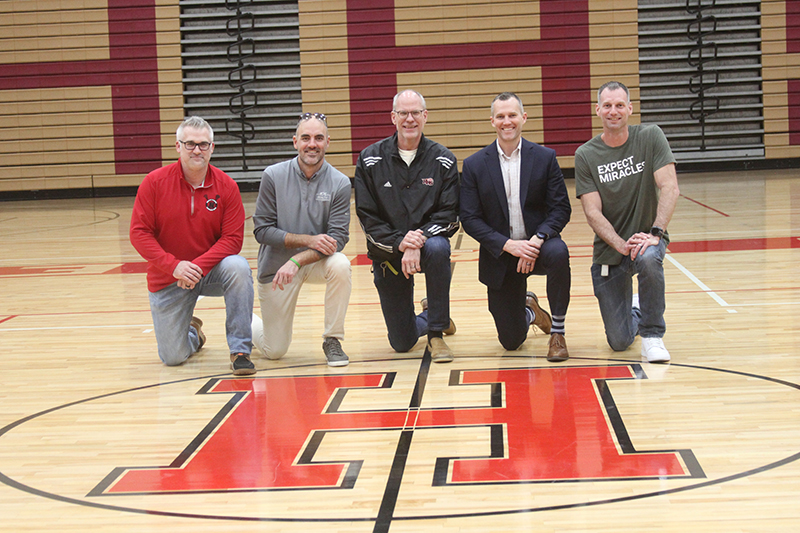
<point x="515" y="204"/>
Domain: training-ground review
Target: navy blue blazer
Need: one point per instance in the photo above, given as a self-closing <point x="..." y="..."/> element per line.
<point x="484" y="208"/>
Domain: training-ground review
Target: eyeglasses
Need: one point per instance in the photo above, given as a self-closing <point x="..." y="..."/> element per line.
<point x="191" y="145"/>
<point x="403" y="114"/>
<point x="318" y="116"/>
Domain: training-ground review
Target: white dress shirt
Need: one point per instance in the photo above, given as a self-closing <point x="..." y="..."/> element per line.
<point x="510" y="167"/>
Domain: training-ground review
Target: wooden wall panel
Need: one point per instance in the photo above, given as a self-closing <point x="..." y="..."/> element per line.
<point x="324" y="73"/>
<point x="41" y="31"/>
<point x="780" y="37"/>
<point x="459" y="54"/>
<point x="614" y="51"/>
<point x="437" y="46"/>
<point x="462" y="123"/>
<point x="467" y="21"/>
<point x="91" y="92"/>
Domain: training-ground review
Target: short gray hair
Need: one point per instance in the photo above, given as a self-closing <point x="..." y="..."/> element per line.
<point x="613" y="86"/>
<point x="196" y="123"/>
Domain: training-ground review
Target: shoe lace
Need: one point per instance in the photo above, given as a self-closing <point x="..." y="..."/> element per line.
<point x="653" y="342"/>
<point x="557" y="340"/>
<point x="333" y="348"/>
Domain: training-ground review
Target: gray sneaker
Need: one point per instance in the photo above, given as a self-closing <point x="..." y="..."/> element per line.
<point x="334" y="353"/>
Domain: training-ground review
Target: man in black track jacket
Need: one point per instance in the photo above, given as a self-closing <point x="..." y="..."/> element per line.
<point x="407" y="201"/>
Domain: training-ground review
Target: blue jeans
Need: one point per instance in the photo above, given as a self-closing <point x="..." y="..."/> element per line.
<point x="397" y="295"/>
<point x="172" y="309"/>
<point x="615" y="292"/>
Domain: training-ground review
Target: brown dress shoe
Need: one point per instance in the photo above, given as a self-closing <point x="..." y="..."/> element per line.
<point x="451" y="329"/>
<point x="197" y="324"/>
<point x="541" y="318"/>
<point x="558" y="349"/>
<point x="440" y="352"/>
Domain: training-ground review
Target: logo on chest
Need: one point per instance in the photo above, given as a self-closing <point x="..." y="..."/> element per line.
<point x="211" y="203"/>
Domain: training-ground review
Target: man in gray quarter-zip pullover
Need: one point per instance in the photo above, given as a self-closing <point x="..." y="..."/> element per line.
<point x="302" y="222"/>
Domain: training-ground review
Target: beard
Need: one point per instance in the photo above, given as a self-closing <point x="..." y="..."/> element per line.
<point x="312" y="158"/>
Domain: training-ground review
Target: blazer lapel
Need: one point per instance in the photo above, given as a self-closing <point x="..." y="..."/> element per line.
<point x="525" y="170"/>
<point x="496" y="176"/>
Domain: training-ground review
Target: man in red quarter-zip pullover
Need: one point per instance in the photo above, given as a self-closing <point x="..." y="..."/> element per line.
<point x="188" y="223"/>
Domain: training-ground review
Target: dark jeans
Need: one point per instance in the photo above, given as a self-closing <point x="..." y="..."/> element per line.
<point x="397" y="296"/>
<point x="507" y="304"/>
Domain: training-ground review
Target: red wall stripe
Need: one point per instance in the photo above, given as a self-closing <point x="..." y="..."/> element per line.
<point x="793" y="46"/>
<point x="793" y="90"/>
<point x="793" y="26"/>
<point x="735" y="245"/>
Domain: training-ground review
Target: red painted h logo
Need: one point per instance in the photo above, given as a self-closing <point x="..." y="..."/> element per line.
<point x="546" y="424"/>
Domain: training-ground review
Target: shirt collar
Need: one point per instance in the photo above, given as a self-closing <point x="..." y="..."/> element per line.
<point x="514" y="153"/>
<point x="301" y="174"/>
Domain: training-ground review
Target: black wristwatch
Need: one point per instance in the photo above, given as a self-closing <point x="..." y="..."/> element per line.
<point x="542" y="235"/>
<point x="656" y="232"/>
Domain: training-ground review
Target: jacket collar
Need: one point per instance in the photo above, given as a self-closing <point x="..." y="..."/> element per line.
<point x="395" y="148"/>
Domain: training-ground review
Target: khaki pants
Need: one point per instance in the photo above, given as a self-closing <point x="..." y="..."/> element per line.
<point x="274" y="337"/>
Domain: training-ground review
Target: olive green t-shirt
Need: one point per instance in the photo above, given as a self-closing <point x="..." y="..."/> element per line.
<point x="623" y="176"/>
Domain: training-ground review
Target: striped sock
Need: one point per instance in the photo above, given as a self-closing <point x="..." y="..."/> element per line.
<point x="529" y="315"/>
<point x="558" y="324"/>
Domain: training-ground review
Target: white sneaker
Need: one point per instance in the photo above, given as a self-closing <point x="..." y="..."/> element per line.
<point x="654" y="351"/>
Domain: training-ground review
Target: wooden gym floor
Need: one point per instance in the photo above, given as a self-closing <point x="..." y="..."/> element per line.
<point x="97" y="435"/>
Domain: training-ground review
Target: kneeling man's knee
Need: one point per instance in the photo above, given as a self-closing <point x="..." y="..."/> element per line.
<point x="437" y="246"/>
<point x="173" y="360"/>
<point x="237" y="265"/>
<point x="619" y="344"/>
<point x="339" y="265"/>
<point x="402" y="345"/>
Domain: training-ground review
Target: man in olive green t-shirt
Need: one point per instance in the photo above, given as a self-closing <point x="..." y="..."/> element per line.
<point x="626" y="181"/>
